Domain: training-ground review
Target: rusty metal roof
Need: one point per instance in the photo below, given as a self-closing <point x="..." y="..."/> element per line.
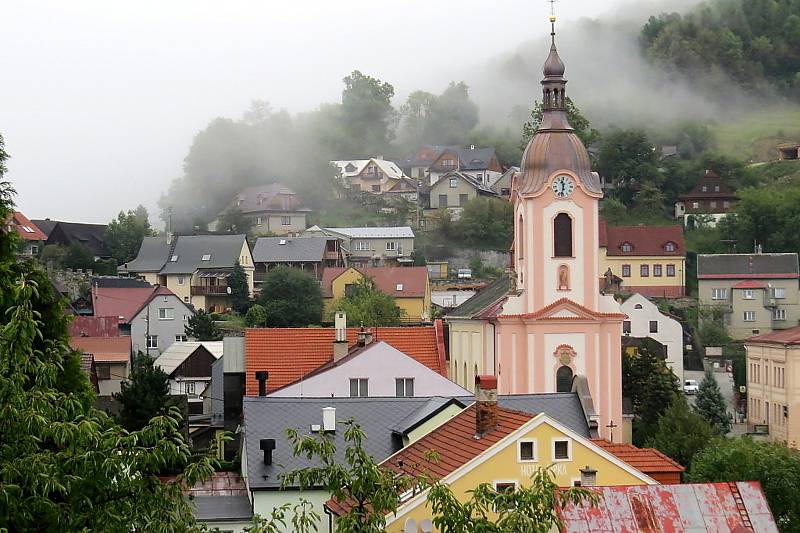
<point x="714" y="507"/>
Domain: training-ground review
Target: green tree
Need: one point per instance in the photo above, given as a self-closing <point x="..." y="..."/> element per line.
<point x="78" y="256"/>
<point x="451" y="117"/>
<point x="367" y="114"/>
<point x="774" y="465"/>
<point x="290" y="298"/>
<point x="628" y="159"/>
<point x="486" y="223"/>
<point x="711" y="405"/>
<point x="651" y="387"/>
<point x="124" y="235"/>
<point x="681" y="432"/>
<point x="366" y="305"/>
<point x="577" y="120"/>
<point x="240" y="291"/>
<point x="234" y="221"/>
<point x="256" y="316"/>
<point x="144" y="395"/>
<point x="201" y="326"/>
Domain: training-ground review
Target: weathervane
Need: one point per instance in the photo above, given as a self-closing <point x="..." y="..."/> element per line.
<point x="553" y="19"/>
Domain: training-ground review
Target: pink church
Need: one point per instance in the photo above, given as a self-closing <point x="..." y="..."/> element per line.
<point x="552" y="324"/>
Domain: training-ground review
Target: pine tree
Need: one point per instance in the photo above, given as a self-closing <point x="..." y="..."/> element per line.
<point x="202" y="327"/>
<point x="681" y="432"/>
<point x="144" y="395"/>
<point x="240" y="292"/>
<point x="711" y="404"/>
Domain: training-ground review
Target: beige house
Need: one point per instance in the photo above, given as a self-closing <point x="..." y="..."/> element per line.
<point x="757" y="293"/>
<point x="454" y="189"/>
<point x="273" y="209"/>
<point x="502" y="184"/>
<point x="373" y="246"/>
<point x="375" y="175"/>
<point x="773" y="385"/>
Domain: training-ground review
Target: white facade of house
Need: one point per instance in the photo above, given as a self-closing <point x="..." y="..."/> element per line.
<point x="381" y="365"/>
<point x="647" y="321"/>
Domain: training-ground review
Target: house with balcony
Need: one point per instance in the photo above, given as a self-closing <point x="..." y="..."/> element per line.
<point x="709" y="201"/>
<point x="376" y="175"/>
<point x="372" y="246"/>
<point x="454" y="189"/>
<point x="273" y="209"/>
<point x="194" y="267"/>
<point x="754" y="293"/>
<point x="311" y="254"/>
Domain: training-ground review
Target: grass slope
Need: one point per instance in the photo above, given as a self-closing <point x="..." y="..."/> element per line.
<point x="754" y="136"/>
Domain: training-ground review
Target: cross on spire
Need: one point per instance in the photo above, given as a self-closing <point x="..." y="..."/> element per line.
<point x="611" y="425"/>
<point x="552" y="20"/>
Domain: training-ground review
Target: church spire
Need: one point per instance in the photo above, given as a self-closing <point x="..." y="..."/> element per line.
<point x="553" y="84"/>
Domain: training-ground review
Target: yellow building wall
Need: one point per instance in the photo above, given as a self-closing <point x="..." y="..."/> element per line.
<point x="504" y="467"/>
<point x="635" y="279"/>
<point x="467" y="343"/>
<point x="414" y="308"/>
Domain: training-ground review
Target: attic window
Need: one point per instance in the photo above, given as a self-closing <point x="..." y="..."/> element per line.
<point x="399" y="287"/>
<point x="637" y="306"/>
<point x="627" y="247"/>
<point x="27" y="229"/>
<point x="282" y="242"/>
<point x="173" y="259"/>
<point x="669" y="247"/>
<point x="705" y="189"/>
<point x="206" y="257"/>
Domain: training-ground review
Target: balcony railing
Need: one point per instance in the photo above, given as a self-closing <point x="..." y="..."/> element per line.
<point x="205" y="290"/>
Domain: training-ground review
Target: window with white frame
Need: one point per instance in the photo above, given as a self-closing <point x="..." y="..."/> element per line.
<point x="695" y="205"/>
<point x="505" y="487"/>
<point x="779" y="314"/>
<point x="391" y="246"/>
<point x="206" y="257"/>
<point x="286" y="221"/>
<point x="627" y="247"/>
<point x="152" y="342"/>
<point x="453" y="183"/>
<point x="526" y="451"/>
<point x="189" y="387"/>
<point x="749" y="316"/>
<point x="359" y="387"/>
<point x="719" y="294"/>
<point x="181" y="338"/>
<point x="258" y="221"/>
<point x="404" y="387"/>
<point x="562" y="449"/>
<point x="777" y="292"/>
<point x="669" y="247"/>
<point x="362" y="246"/>
<point x="398" y="287"/>
<point x="644" y="270"/>
<point x="166" y="313"/>
<point x="657" y="271"/>
<point x="747" y="294"/>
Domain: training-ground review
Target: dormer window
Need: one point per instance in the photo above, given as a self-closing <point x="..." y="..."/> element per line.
<point x="627" y="247"/>
<point x="350" y="167"/>
<point x="399" y="287"/>
<point x="704" y="188"/>
<point x="239" y="202"/>
<point x="206" y="257"/>
<point x="637" y="306"/>
<point x="669" y="247"/>
<point x="173" y="259"/>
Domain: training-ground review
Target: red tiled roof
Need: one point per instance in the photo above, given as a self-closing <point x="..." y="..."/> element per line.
<point x="104" y="349"/>
<point x="749" y="284"/>
<point x="644" y="240"/>
<point x="20" y="221"/>
<point x="124" y="302"/>
<point x="413" y="279"/>
<point x="94" y="326"/>
<point x="783" y="336"/>
<point x="455" y="443"/>
<point x="646" y="460"/>
<point x="290" y="353"/>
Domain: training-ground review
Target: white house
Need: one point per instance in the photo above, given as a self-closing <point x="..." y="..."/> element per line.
<point x="188" y="365"/>
<point x="645" y="320"/>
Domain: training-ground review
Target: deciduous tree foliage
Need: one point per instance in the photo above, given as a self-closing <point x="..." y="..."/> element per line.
<point x="234" y="221"/>
<point x="681" y="432"/>
<point x="290" y="298"/>
<point x="367" y="115"/>
<point x="144" y="395"/>
<point x="201" y="326"/>
<point x="256" y="317"/>
<point x="628" y="159"/>
<point x="711" y="405"/>
<point x="487" y="223"/>
<point x="774" y="465"/>
<point x="366" y="305"/>
<point x="577" y="120"/>
<point x="124" y="235"/>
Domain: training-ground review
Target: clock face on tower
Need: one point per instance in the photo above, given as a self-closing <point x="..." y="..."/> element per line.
<point x="563" y="186"/>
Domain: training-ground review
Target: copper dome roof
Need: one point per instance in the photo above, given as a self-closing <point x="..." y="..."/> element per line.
<point x="553" y="66"/>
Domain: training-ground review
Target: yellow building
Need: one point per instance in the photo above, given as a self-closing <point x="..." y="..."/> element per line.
<point x="505" y="448"/>
<point x="650" y="260"/>
<point x="408" y="285"/>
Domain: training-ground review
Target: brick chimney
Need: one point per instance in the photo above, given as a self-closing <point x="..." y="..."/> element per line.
<point x="340" y="341"/>
<point x="364" y="337"/>
<point x="486" y="404"/>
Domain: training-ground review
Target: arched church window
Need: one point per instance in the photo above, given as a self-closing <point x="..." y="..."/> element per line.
<point x="562" y="235"/>
<point x="564" y="379"/>
<point x="521" y="233"/>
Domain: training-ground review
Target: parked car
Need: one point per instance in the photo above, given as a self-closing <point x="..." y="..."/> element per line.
<point x="690" y="386"/>
<point x="464" y="273"/>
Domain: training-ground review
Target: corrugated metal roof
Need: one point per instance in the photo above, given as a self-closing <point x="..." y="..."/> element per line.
<point x="178" y="352"/>
<point x="289" y="249"/>
<point x="404" y="232"/>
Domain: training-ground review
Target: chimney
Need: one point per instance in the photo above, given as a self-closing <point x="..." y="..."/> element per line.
<point x="486" y="404"/>
<point x="364" y="337"/>
<point x="588" y="476"/>
<point x="267" y="445"/>
<point x="329" y="419"/>
<point x="261" y="377"/>
<point x="340" y="343"/>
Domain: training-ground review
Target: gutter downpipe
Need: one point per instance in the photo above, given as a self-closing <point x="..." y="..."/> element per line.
<point x="330" y="517"/>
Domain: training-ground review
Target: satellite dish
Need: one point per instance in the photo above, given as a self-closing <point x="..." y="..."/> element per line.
<point x="426" y="525"/>
<point x="229" y="290"/>
<point x="410" y="526"/>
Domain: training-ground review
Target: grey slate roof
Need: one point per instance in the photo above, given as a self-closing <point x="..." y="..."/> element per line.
<point x="108" y="282"/>
<point x="151" y="257"/>
<point x="293" y="249"/>
<point x="747" y="265"/>
<point x="381" y="419"/>
<point x="222" y="508"/>
<point x="46" y="225"/>
<point x="487" y="297"/>
<point x="189" y="249"/>
<point x="477" y="159"/>
<point x="270" y="197"/>
<point x="480" y="187"/>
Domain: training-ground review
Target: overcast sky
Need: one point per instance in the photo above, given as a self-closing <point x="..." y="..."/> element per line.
<point x="100" y="100"/>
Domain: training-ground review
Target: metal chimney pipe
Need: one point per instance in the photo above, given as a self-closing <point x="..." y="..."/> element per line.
<point x="261" y="377"/>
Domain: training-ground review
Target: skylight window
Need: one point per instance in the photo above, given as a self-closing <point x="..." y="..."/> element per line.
<point x="282" y="242"/>
<point x="173" y="259"/>
<point x="206" y="257"/>
<point x="399" y="287"/>
<point x="28" y="229"/>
